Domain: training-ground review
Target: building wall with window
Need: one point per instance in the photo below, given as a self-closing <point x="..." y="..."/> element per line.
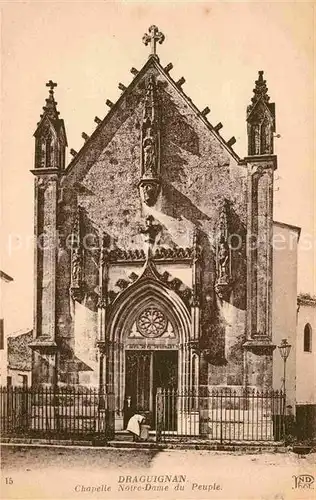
<point x="306" y="351"/>
<point x="306" y="368"/>
<point x="19" y="358"/>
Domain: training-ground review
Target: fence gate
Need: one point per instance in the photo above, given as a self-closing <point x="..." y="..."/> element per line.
<point x="223" y="415"/>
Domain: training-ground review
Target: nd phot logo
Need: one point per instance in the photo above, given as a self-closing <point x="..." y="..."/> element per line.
<point x="303" y="481"/>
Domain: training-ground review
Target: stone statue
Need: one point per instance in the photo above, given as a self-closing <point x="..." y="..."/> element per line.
<point x="76" y="266"/>
<point x="150" y="232"/>
<point x="149" y="157"/>
<point x="223" y="261"/>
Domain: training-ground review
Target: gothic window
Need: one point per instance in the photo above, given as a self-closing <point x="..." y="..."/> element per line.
<point x="307" y="338"/>
<point x="152" y="323"/>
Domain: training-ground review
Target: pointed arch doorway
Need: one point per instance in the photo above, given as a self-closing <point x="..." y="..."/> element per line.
<point x="151" y="352"/>
<point x="149" y="332"/>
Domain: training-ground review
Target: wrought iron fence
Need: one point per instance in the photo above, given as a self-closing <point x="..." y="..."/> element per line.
<point x="221" y="415"/>
<point x="76" y="412"/>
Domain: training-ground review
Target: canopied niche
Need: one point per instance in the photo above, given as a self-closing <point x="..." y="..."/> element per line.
<point x="149" y="184"/>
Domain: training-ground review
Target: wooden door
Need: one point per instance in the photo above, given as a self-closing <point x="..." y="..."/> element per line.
<point x="138" y="384"/>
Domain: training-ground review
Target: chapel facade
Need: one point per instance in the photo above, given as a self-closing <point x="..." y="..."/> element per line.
<point x="153" y="261"/>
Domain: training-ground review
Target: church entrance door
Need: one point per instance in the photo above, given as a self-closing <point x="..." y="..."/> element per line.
<point x="145" y="371"/>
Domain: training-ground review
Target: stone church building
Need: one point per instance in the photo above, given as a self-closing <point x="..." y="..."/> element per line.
<point x="153" y="262"/>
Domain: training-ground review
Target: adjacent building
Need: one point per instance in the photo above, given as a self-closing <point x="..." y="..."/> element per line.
<point x="4" y="305"/>
<point x="306" y="365"/>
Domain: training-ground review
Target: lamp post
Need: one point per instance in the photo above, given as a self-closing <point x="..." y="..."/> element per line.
<point x="284" y="349"/>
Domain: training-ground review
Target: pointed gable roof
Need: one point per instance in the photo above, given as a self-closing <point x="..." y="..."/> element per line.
<point x="152" y="63"/>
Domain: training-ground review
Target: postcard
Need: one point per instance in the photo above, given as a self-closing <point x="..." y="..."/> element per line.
<point x="158" y="309"/>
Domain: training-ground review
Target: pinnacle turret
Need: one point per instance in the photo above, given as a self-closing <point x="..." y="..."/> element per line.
<point x="260" y="120"/>
<point x="50" y="135"/>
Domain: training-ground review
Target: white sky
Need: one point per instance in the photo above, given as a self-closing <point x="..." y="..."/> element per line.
<point x="88" y="48"/>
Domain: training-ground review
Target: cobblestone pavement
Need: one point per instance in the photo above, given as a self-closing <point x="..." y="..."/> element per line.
<point x="59" y="472"/>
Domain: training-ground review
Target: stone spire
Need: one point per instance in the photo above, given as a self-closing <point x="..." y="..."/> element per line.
<point x="260" y="120"/>
<point x="260" y="91"/>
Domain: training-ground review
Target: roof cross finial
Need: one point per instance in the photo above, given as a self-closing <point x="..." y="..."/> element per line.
<point x="51" y="86"/>
<point x="153" y="37"/>
<point x="50" y="108"/>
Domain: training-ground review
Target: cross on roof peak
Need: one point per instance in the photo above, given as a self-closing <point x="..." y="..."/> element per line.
<point x="51" y="85"/>
<point x="152" y="37"/>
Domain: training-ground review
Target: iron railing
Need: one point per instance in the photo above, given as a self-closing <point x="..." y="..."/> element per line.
<point x="221" y="415"/>
<point x="69" y="411"/>
<point x="78" y="412"/>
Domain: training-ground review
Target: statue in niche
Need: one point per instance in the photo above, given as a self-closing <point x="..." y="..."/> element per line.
<point x="223" y="282"/>
<point x="149" y="184"/>
<point x="76" y="266"/>
<point x="149" y="157"/>
<point x="223" y="260"/>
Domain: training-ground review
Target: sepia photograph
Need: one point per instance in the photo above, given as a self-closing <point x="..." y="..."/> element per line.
<point x="158" y="302"/>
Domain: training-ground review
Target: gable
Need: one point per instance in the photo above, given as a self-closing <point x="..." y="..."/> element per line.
<point x="198" y="169"/>
<point x="126" y="105"/>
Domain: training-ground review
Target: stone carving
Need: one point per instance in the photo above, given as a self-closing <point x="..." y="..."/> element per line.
<point x="150" y="182"/>
<point x="122" y="284"/>
<point x="150" y="232"/>
<point x="149" y="191"/>
<point x="152" y="38"/>
<point x="173" y="283"/>
<point x="161" y="253"/>
<point x="223" y="257"/>
<point x="76" y="266"/>
<point x="223" y="261"/>
<point x="76" y="287"/>
<point x="149" y="157"/>
<point x="152" y="323"/>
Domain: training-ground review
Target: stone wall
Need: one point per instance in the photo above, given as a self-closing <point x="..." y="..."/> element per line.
<point x="198" y="172"/>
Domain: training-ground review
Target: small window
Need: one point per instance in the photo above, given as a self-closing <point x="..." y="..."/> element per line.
<point x="308" y="338"/>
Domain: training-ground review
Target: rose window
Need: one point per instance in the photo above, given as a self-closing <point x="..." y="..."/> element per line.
<point x="152" y="323"/>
